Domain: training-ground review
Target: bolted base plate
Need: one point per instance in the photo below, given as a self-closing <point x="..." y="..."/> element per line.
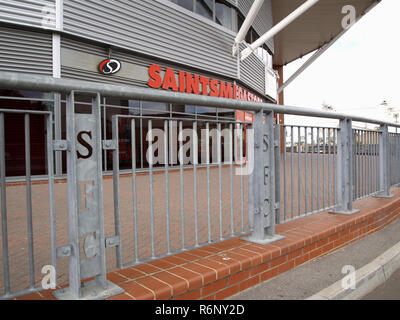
<point x="349" y="212"/>
<point x="90" y="291"/>
<point x="267" y="239"/>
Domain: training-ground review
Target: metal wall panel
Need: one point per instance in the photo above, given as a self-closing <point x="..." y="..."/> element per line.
<point x="155" y="29"/>
<point x="26" y="12"/>
<point x="232" y="2"/>
<point x="80" y="60"/>
<point x="252" y="72"/>
<point x="25" y="51"/>
<point x="264" y="19"/>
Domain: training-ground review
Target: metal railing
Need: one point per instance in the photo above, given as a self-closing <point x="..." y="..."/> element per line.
<point x="170" y="208"/>
<point x="366" y="163"/>
<point x="180" y="192"/>
<point x="309" y="170"/>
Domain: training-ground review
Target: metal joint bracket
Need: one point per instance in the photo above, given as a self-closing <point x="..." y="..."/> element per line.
<point x="64" y="251"/>
<point x="109" y="145"/>
<point x="60" y="145"/>
<point x="113" y="241"/>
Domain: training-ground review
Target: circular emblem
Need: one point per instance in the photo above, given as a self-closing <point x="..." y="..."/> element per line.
<point x="109" y="66"/>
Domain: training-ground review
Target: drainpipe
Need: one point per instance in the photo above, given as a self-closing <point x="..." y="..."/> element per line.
<point x="278" y="27"/>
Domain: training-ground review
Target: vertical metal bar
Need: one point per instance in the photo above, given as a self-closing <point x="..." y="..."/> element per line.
<point x="134" y="193"/>
<point x="219" y="178"/>
<point x="306" y="170"/>
<point x="355" y="163"/>
<point x="57" y="132"/>
<point x="195" y="161"/>
<point x="334" y="166"/>
<point x="150" y="160"/>
<point x="379" y="139"/>
<point x="364" y="164"/>
<point x="369" y="164"/>
<point x="359" y="166"/>
<point x="241" y="176"/>
<point x="292" y="171"/>
<point x="100" y="279"/>
<point x="284" y="174"/>
<point x="250" y="152"/>
<point x="312" y="169"/>
<point x="29" y="199"/>
<point x="360" y="155"/>
<point x="208" y="181"/>
<point x="73" y="223"/>
<point x="318" y="173"/>
<point x="50" y="177"/>
<point x="4" y="229"/>
<point x="323" y="168"/>
<point x="298" y="171"/>
<point x="116" y="188"/>
<point x="104" y="132"/>
<point x="141" y="136"/>
<point x="329" y="168"/>
<point x="166" y="169"/>
<point x="231" y="175"/>
<point x="276" y="138"/>
<point x="373" y="161"/>
<point x="181" y="183"/>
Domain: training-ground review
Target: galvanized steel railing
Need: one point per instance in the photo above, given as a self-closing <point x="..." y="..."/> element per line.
<point x="327" y="169"/>
<point x="308" y="171"/>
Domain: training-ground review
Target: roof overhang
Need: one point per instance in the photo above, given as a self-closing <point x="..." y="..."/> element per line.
<point x="313" y="29"/>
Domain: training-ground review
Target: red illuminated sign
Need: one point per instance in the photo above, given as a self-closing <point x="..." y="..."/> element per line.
<point x="196" y="84"/>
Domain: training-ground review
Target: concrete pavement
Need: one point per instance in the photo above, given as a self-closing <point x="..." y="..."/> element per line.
<point x="308" y="279"/>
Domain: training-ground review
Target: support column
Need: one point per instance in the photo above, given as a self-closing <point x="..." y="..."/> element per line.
<point x="281" y="101"/>
<point x="384" y="163"/>
<point x="263" y="180"/>
<point x="345" y="183"/>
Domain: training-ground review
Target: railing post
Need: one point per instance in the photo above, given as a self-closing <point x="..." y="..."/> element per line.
<point x="345" y="168"/>
<point x="277" y="153"/>
<point x="87" y="242"/>
<point x="263" y="180"/>
<point x="384" y="163"/>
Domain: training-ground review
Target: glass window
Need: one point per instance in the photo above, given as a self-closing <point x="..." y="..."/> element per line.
<point x="26" y="94"/>
<point x="14" y="131"/>
<point x="223" y="14"/>
<point x="206" y="112"/>
<point x="155" y="108"/>
<point x="226" y="113"/>
<point x="240" y="21"/>
<point x="205" y="8"/>
<point x="187" y="4"/>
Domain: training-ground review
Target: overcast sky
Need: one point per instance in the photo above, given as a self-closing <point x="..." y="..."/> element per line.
<point x="358" y="72"/>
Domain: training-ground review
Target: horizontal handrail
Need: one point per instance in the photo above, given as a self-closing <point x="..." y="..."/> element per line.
<point x="11" y="80"/>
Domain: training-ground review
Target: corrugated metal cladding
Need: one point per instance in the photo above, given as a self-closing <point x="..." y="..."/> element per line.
<point x="153" y="28"/>
<point x="101" y="52"/>
<point x="264" y="19"/>
<point x="252" y="72"/>
<point x="26" y="12"/>
<point x="25" y="51"/>
<point x="232" y="2"/>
